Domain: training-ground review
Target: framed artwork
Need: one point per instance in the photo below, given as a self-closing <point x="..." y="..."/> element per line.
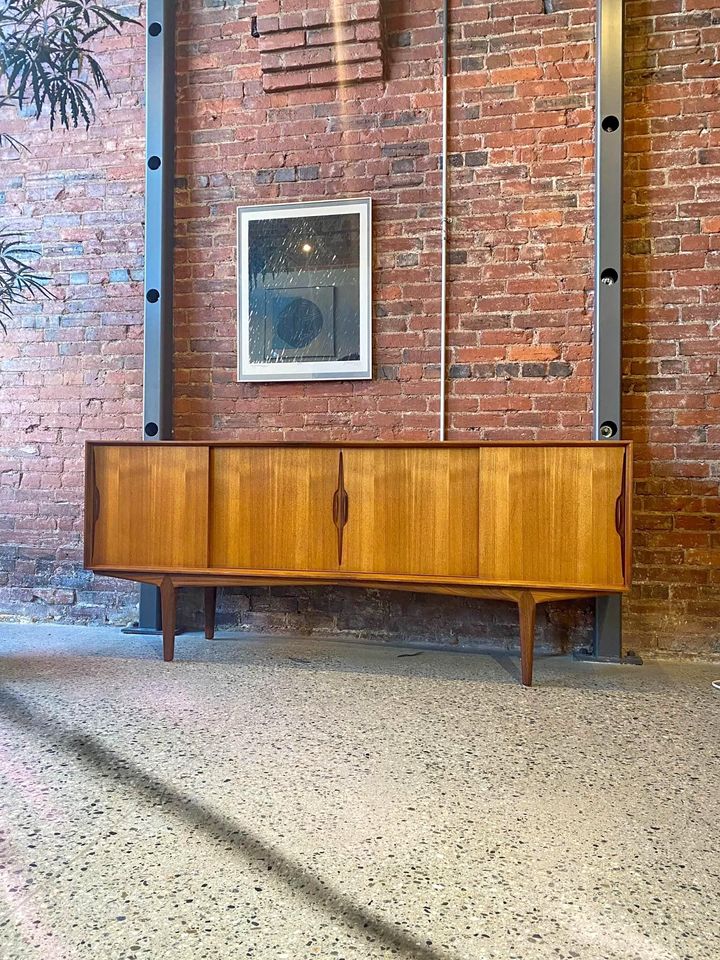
<point x="305" y="291"/>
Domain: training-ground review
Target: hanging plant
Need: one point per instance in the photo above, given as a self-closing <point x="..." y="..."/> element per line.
<point x="19" y="282"/>
<point x="46" y="65"/>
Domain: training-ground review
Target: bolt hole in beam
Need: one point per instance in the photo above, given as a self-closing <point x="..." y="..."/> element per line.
<point x="155" y="29"/>
<point x="608" y="430"/>
<point x="154" y="163"/>
<point x="151" y="429"/>
<point x="609" y="276"/>
<point x="610" y="124"/>
<point x="153" y="296"/>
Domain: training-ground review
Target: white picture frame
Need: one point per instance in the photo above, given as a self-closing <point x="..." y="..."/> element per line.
<point x="262" y="354"/>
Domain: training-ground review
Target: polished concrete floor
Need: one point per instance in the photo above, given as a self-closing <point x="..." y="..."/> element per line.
<point x="307" y="799"/>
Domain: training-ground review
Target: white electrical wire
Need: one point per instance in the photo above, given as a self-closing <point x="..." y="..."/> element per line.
<point x="444" y="222"/>
<point x="443" y="264"/>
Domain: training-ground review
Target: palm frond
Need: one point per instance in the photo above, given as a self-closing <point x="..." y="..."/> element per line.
<point x="7" y="140"/>
<point x="45" y="56"/>
<point x="19" y="282"/>
<point x="46" y="64"/>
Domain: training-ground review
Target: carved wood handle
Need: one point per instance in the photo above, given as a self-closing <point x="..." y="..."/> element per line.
<point x="620" y="515"/>
<point x="95" y="510"/>
<point x="340" y="507"/>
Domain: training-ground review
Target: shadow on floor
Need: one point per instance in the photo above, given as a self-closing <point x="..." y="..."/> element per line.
<point x="295" y="653"/>
<point x="508" y="664"/>
<point x="201" y="817"/>
<point x="107" y="650"/>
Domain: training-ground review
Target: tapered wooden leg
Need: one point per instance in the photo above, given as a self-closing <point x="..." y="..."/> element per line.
<point x="527" y="608"/>
<point x="167" y="602"/>
<point x="210" y="602"/>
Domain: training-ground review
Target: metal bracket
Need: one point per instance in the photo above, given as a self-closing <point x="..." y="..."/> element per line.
<point x="630" y="659"/>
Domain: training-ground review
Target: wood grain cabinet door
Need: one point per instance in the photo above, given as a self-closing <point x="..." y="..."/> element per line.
<point x="411" y="511"/>
<point x="272" y="508"/>
<point x="550" y="516"/>
<point x="150" y="505"/>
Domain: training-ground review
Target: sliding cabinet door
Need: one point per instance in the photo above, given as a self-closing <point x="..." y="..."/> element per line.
<point x="411" y="511"/>
<point x="548" y="515"/>
<point x="272" y="508"/>
<point x="150" y="507"/>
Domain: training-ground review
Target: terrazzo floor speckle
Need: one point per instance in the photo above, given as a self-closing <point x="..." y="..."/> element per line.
<point x="301" y="799"/>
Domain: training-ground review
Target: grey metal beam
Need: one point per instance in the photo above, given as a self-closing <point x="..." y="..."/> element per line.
<point x="159" y="238"/>
<point x="159" y="219"/>
<point x="608" y="269"/>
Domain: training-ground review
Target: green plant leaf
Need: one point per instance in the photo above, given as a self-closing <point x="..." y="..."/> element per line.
<point x="46" y="63"/>
<point x="19" y="283"/>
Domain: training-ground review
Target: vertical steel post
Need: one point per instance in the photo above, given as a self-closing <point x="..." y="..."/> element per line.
<point x="608" y="268"/>
<point x="159" y="237"/>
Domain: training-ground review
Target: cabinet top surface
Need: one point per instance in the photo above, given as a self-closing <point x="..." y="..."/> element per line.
<point x="340" y="444"/>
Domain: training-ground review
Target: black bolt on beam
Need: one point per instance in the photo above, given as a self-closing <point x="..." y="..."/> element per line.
<point x="159" y="237"/>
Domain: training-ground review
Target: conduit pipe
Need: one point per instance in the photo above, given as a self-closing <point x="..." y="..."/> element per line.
<point x="444" y="220"/>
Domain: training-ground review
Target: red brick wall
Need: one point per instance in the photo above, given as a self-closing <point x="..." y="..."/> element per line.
<point x="520" y="307"/>
<point x="672" y="315"/>
<point x="319" y="44"/>
<point x="71" y="369"/>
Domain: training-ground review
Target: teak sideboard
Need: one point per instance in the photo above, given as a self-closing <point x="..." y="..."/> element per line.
<point x="526" y="522"/>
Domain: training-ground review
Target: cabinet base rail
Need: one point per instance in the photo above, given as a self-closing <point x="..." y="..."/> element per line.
<point x="527" y="600"/>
